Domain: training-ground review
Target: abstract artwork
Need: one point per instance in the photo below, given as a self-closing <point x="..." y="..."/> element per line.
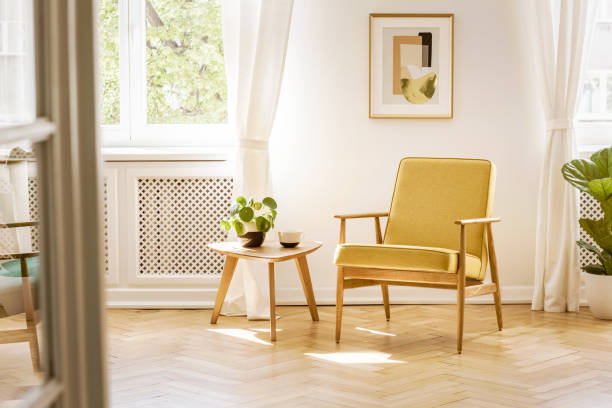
<point x="411" y="65"/>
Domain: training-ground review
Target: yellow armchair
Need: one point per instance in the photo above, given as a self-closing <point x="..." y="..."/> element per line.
<point x="438" y="235"/>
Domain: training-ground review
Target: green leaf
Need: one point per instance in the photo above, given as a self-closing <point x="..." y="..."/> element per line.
<point x="241" y="200"/>
<point x="269" y="202"/>
<point x="602" y="159"/>
<point x="250" y="202"/>
<point x="580" y="172"/>
<point x="239" y="227"/>
<point x="234" y="209"/>
<point x="246" y="214"/>
<point x="606" y="208"/>
<point x="225" y="225"/>
<point x="594" y="269"/>
<point x="257" y="206"/>
<point x="262" y="224"/>
<point x="604" y="257"/>
<point x="589" y="247"/>
<point x="600" y="231"/>
<point x="601" y="189"/>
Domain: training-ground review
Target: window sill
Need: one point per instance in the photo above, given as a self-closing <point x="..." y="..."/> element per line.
<point x="135" y="154"/>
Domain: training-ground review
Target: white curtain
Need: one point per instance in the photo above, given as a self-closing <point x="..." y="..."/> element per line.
<point x="560" y="58"/>
<point x="255" y="38"/>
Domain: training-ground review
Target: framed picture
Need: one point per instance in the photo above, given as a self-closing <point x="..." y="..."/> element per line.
<point x="411" y="65"/>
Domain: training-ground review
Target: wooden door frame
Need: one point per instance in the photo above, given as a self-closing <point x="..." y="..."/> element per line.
<point x="74" y="358"/>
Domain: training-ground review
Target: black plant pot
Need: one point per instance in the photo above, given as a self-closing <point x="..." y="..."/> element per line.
<point x="252" y="239"/>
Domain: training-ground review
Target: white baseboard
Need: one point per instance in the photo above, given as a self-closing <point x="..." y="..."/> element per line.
<point x="203" y="298"/>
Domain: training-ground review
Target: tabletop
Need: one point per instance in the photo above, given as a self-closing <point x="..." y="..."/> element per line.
<point x="268" y="252"/>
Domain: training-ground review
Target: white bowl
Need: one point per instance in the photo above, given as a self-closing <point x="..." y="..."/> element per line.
<point x="289" y="238"/>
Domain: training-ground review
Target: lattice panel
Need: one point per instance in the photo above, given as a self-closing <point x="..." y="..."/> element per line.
<point x="589" y="208"/>
<point x="34" y="215"/>
<point x="105" y="231"/>
<point x="176" y="218"/>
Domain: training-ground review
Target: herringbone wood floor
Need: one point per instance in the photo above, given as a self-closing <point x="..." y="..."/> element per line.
<point x="175" y="358"/>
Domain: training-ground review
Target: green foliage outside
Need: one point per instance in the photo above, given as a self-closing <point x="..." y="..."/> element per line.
<point x="594" y="177"/>
<point x="185" y="68"/>
<point x="185" y="65"/>
<point x="108" y="33"/>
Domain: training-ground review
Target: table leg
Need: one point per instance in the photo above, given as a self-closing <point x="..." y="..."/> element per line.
<point x="272" y="302"/>
<point x="226" y="278"/>
<point x="302" y="267"/>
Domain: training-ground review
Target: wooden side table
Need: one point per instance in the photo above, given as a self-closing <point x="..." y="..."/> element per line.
<point x="269" y="252"/>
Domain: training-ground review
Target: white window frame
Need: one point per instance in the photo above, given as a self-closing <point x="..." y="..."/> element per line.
<point x="133" y="129"/>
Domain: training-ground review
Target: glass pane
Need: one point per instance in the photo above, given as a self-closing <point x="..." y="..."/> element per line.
<point x="21" y="331"/>
<point x="590" y="101"/>
<point x="600" y="57"/>
<point x="17" y="100"/>
<point x="609" y="94"/>
<point x="185" y="65"/>
<point x="109" y="60"/>
<point x="605" y="10"/>
<point x="596" y="97"/>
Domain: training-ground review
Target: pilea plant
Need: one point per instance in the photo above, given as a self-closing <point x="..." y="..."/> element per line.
<point x="594" y="177"/>
<point x="261" y="213"/>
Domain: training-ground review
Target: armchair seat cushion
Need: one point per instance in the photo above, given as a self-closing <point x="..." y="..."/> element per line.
<point x="406" y="257"/>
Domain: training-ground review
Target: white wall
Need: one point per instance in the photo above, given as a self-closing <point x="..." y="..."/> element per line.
<point x="328" y="157"/>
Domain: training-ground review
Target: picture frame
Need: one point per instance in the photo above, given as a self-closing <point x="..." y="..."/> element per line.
<point x="411" y="66"/>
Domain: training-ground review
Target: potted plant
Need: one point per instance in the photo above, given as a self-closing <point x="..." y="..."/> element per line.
<point x="251" y="219"/>
<point x="594" y="177"/>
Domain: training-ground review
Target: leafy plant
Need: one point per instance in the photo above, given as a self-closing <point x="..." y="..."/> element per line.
<point x="594" y="177"/>
<point x="263" y="214"/>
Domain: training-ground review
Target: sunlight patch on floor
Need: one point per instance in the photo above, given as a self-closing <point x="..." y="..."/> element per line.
<point x="266" y="330"/>
<point x="242" y="334"/>
<point x="374" y="331"/>
<point x="365" y="357"/>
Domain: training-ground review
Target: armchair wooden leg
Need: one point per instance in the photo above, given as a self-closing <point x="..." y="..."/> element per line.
<point x="385" y="294"/>
<point x="495" y="277"/>
<point x="339" y="301"/>
<point x="28" y="304"/>
<point x="461" y="291"/>
<point x="498" y="308"/>
<point x="460" y="314"/>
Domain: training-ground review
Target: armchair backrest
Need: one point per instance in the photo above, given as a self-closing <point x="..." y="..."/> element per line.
<point x="431" y="194"/>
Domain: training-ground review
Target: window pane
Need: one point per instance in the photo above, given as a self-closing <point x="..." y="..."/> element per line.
<point x="185" y="65"/>
<point x="605" y="10"/>
<point x="17" y="100"/>
<point x="591" y="94"/>
<point x="596" y="97"/>
<point x="109" y="60"/>
<point x="609" y="94"/>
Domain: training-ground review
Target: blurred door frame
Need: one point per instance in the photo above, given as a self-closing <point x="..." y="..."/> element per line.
<point x="65" y="136"/>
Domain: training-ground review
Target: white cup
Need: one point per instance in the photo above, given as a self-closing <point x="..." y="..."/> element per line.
<point x="289" y="239"/>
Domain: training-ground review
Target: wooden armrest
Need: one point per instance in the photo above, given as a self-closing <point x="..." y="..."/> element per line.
<point x="365" y="215"/>
<point x="19" y="224"/>
<point x="478" y="221"/>
<point x="376" y="217"/>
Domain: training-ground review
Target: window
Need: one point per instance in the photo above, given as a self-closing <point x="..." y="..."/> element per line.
<point x="16" y="63"/>
<point x="162" y="72"/>
<point x="595" y="110"/>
